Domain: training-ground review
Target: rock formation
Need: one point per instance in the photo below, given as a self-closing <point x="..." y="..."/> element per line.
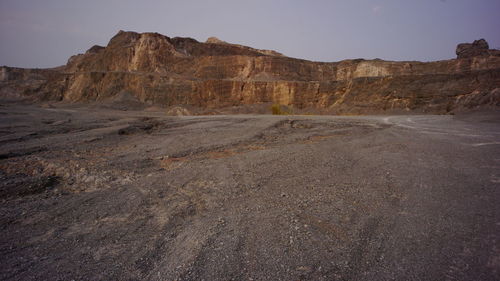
<point x="164" y="71"/>
<point x="477" y="48"/>
<point x="215" y="40"/>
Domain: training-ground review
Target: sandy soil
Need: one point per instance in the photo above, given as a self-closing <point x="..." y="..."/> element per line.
<point x="102" y="194"/>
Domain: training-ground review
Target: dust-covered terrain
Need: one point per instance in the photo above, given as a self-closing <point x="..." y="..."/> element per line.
<point x="101" y="194"/>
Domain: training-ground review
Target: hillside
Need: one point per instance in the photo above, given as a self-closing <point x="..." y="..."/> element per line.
<point x="162" y="71"/>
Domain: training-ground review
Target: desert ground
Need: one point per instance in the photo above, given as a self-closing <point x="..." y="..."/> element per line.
<point x="92" y="193"/>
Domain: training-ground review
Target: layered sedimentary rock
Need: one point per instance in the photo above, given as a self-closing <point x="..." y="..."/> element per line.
<point x="164" y="71"/>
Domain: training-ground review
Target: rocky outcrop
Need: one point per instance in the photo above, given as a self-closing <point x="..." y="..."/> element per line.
<point x="95" y="49"/>
<point x="215" y="40"/>
<point x="477" y="48"/>
<point x="164" y="71"/>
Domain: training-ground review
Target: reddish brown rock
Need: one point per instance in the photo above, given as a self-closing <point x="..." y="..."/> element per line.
<point x="164" y="71"/>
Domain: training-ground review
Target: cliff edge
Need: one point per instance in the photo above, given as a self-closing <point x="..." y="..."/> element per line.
<point x="164" y="71"/>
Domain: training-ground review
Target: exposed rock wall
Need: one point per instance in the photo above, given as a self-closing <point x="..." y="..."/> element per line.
<point x="181" y="71"/>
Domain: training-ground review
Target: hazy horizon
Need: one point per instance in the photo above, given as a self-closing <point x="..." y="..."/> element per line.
<point x="46" y="34"/>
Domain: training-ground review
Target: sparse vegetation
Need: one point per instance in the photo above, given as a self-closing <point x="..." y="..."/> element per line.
<point x="277" y="109"/>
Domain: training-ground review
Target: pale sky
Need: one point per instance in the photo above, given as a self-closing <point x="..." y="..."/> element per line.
<point x="45" y="33"/>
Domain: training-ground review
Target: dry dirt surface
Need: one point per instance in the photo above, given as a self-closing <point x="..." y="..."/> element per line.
<point x="102" y="194"/>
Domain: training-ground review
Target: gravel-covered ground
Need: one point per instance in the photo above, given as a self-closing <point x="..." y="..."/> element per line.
<point x="100" y="194"/>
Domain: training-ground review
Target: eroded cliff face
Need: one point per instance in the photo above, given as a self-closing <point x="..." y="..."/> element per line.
<point x="181" y="71"/>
